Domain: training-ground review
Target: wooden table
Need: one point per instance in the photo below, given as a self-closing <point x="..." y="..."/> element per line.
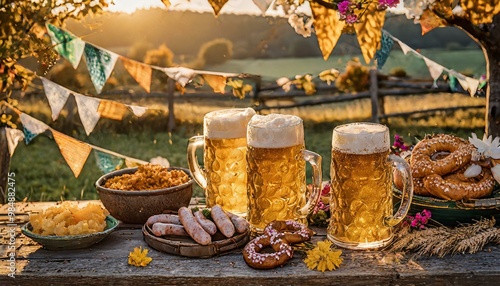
<point x="106" y="264"/>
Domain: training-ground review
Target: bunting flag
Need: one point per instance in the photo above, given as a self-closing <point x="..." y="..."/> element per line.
<point x="453" y="83"/>
<point x="382" y="54"/>
<point x="216" y="82"/>
<point x="112" y="109"/>
<point x="13" y="137"/>
<point x="467" y="83"/>
<point x="181" y="75"/>
<point x="31" y="127"/>
<point x="263" y="4"/>
<point x="369" y="30"/>
<point x="328" y="28"/>
<point x="100" y="64"/>
<point x="56" y="95"/>
<point x="137" y="110"/>
<point x="66" y="44"/>
<point x="107" y="162"/>
<point x="74" y="152"/>
<point x="435" y="70"/>
<point x="140" y="72"/>
<point x="217" y="5"/>
<point x="87" y="110"/>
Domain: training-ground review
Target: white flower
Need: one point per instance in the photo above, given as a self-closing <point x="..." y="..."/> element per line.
<point x="487" y="147"/>
<point x="297" y="23"/>
<point x="496" y="172"/>
<point x="285" y="83"/>
<point x="473" y="171"/>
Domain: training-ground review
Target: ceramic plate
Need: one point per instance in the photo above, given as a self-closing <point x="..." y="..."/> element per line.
<point x="54" y="242"/>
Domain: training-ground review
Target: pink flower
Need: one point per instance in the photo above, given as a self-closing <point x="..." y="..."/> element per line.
<point x="343" y="7"/>
<point x="384" y="4"/>
<point x="351" y="19"/>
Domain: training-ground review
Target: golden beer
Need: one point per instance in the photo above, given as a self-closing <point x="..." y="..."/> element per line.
<point x="276" y="184"/>
<point x="361" y="171"/>
<point x="276" y="171"/>
<point x="227" y="179"/>
<point x="223" y="176"/>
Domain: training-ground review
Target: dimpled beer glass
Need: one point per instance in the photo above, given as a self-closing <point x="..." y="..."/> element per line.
<point x="224" y="177"/>
<point x="361" y="197"/>
<point x="276" y="158"/>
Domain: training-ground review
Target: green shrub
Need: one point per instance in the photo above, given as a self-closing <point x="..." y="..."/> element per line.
<point x="355" y="77"/>
<point x="398" y="72"/>
<point x="216" y="52"/>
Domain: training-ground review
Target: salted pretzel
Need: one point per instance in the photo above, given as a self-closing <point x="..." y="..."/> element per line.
<point x="291" y="231"/>
<point x="258" y="260"/>
<point x="278" y="235"/>
<point x="456" y="187"/>
<point x="425" y="159"/>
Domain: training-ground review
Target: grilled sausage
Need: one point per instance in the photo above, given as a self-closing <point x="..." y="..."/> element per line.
<point x="222" y="221"/>
<point x="165" y="218"/>
<point x="193" y="228"/>
<point x="240" y="224"/>
<point x="160" y="228"/>
<point x="208" y="225"/>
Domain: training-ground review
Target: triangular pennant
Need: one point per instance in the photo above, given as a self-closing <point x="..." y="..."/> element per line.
<point x="404" y="47"/>
<point x="473" y="85"/>
<point x="87" y="110"/>
<point x="32" y="127"/>
<point x="107" y="162"/>
<point x="181" y="75"/>
<point x="435" y="69"/>
<point x="112" y="109"/>
<point x="137" y="110"/>
<point x="100" y="64"/>
<point x="383" y="53"/>
<point x="56" y="95"/>
<point x="130" y="163"/>
<point x="216" y="82"/>
<point x="263" y="4"/>
<point x="13" y="137"/>
<point x="328" y="28"/>
<point x="140" y="72"/>
<point x="217" y="5"/>
<point x="369" y="30"/>
<point x="452" y="82"/>
<point x="66" y="44"/>
<point x="74" y="152"/>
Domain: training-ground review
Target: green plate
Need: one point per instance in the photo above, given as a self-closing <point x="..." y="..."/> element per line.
<point x="67" y="242"/>
<point x="452" y="213"/>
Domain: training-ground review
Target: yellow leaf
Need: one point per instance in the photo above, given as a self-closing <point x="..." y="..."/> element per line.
<point x="216" y="82"/>
<point x="329" y="75"/>
<point x="429" y="21"/>
<point x="166" y="3"/>
<point x="480" y="11"/>
<point x="369" y="31"/>
<point x="217" y="5"/>
<point x="328" y="28"/>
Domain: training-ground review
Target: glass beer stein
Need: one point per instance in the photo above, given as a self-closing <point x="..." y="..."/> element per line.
<point x="361" y="196"/>
<point x="224" y="177"/>
<point x="276" y="158"/>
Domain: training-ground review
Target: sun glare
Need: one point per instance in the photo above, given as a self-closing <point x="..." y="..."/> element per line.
<point x="129" y="6"/>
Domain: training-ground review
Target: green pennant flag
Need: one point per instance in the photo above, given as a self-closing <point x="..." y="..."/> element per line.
<point x="107" y="162"/>
<point x="382" y="54"/>
<point x="100" y="64"/>
<point x="66" y="44"/>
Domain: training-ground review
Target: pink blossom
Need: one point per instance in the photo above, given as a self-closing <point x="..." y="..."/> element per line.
<point x="343" y="7"/>
<point x="384" y="4"/>
<point x="351" y="19"/>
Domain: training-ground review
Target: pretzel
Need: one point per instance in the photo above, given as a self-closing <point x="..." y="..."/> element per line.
<point x="292" y="231"/>
<point x="457" y="187"/>
<point x="426" y="156"/>
<point x="255" y="259"/>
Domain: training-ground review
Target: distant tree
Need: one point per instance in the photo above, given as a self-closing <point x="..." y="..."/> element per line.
<point x="162" y="57"/>
<point x="138" y="50"/>
<point x="216" y="52"/>
<point x="355" y="78"/>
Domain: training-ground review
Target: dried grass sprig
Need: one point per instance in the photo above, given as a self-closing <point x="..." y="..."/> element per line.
<point x="441" y="241"/>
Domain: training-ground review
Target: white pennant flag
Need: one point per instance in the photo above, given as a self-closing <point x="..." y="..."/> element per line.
<point x="181" y="75"/>
<point x="473" y="84"/>
<point x="435" y="69"/>
<point x="404" y="47"/>
<point x="13" y="137"/>
<point x="56" y="95"/>
<point x="87" y="110"/>
<point x="137" y="110"/>
<point x="33" y="125"/>
<point x="467" y="83"/>
<point x="263" y="4"/>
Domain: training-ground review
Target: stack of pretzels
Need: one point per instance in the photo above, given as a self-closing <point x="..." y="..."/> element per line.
<point x="438" y="164"/>
<point x="278" y="235"/>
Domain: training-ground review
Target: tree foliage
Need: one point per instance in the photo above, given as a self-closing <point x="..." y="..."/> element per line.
<point x="216" y="51"/>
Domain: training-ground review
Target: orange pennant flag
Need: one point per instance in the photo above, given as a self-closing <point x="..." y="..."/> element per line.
<point x="328" y="28"/>
<point x="369" y="31"/>
<point x="112" y="109"/>
<point x="140" y="72"/>
<point x="74" y="152"/>
<point x="217" y="5"/>
<point x="217" y="82"/>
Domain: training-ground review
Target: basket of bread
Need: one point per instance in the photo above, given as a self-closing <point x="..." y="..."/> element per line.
<point x="457" y="179"/>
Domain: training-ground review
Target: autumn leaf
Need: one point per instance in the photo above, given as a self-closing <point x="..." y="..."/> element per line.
<point x="480" y="11"/>
<point x="429" y="21"/>
<point x="217" y="5"/>
<point x="216" y="82"/>
<point x="166" y="3"/>
<point x="240" y="89"/>
<point x="329" y="75"/>
<point x="305" y="82"/>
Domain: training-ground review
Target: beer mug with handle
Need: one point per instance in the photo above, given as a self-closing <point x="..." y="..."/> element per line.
<point x="224" y="177"/>
<point x="276" y="159"/>
<point x="361" y="171"/>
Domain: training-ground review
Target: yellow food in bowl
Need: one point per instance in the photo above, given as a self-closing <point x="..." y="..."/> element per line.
<point x="148" y="177"/>
<point x="68" y="219"/>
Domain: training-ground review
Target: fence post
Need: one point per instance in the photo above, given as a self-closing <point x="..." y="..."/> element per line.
<point x="4" y="165"/>
<point x="170" y="98"/>
<point x="376" y="109"/>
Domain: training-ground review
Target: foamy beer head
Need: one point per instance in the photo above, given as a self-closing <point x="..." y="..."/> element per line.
<point x="361" y="138"/>
<point x="275" y="131"/>
<point x="227" y="123"/>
